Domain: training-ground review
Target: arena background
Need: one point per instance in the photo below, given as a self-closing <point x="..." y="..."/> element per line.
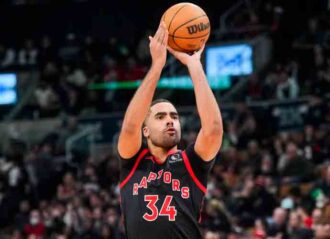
<point x="69" y="68"/>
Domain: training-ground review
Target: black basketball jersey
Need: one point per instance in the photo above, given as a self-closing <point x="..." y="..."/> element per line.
<point x="163" y="200"/>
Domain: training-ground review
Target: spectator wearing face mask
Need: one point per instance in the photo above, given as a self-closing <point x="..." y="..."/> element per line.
<point x="35" y="228"/>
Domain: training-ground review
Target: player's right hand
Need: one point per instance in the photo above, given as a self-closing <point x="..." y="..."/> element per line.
<point x="186" y="58"/>
<point x="158" y="44"/>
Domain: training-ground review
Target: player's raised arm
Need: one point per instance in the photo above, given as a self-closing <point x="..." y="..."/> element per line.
<point x="130" y="138"/>
<point x="209" y="138"/>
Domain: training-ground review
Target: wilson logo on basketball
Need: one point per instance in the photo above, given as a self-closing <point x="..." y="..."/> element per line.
<point x="198" y="28"/>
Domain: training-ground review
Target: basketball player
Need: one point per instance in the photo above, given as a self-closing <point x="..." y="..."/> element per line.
<point x="162" y="188"/>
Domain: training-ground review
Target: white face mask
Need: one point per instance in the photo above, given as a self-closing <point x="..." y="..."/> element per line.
<point x="34" y="220"/>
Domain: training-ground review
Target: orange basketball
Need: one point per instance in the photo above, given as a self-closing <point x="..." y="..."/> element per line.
<point x="188" y="26"/>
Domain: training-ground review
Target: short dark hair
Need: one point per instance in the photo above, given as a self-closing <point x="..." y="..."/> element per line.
<point x="154" y="102"/>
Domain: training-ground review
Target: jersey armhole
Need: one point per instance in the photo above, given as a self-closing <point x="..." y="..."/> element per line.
<point x="140" y="156"/>
<point x="191" y="172"/>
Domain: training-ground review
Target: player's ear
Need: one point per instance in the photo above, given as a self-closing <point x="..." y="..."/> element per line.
<point x="146" y="131"/>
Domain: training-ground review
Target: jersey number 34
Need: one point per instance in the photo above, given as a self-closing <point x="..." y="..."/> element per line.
<point x="165" y="210"/>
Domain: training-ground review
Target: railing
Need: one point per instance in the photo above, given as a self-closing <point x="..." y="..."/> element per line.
<point x="224" y="30"/>
<point x="227" y="14"/>
<point x="89" y="133"/>
<point x="102" y="129"/>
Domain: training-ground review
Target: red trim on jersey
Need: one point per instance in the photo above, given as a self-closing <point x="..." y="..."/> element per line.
<point x="191" y="172"/>
<point x="141" y="155"/>
<point x="157" y="160"/>
<point x="172" y="151"/>
<point x="151" y="158"/>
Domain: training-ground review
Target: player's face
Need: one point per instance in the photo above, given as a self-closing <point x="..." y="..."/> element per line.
<point x="162" y="126"/>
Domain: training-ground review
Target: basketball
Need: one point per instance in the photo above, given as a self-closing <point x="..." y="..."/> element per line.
<point x="188" y="26"/>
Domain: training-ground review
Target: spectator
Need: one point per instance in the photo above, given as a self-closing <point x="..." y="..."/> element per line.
<point x="16" y="235"/>
<point x="324" y="183"/>
<point x="77" y="78"/>
<point x="88" y="231"/>
<point x="254" y="154"/>
<point x="50" y="74"/>
<point x="110" y="73"/>
<point x="22" y="217"/>
<point x="322" y="229"/>
<point x="277" y="226"/>
<point x="112" y="49"/>
<point x="47" y="100"/>
<point x="216" y="217"/>
<point x="13" y="183"/>
<point x="211" y="235"/>
<point x="287" y="86"/>
<point x="9" y="59"/>
<point x="106" y="232"/>
<point x="28" y="54"/>
<point x="296" y="229"/>
<point x="259" y="230"/>
<point x="69" y="52"/>
<point x="294" y="168"/>
<point x="68" y="188"/>
<point x="246" y="125"/>
<point x="91" y="52"/>
<point x="47" y="52"/>
<point x="267" y="165"/>
<point x="131" y="71"/>
<point x="269" y="86"/>
<point x="312" y="36"/>
<point x="35" y="227"/>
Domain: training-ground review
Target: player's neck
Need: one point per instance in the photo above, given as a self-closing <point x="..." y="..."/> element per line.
<point x="161" y="153"/>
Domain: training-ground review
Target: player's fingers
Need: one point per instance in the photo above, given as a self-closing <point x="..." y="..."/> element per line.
<point x="173" y="52"/>
<point x="161" y="36"/>
<point x="165" y="38"/>
<point x="162" y="32"/>
<point x="170" y="49"/>
<point x="151" y="39"/>
<point x="202" y="48"/>
<point x="162" y="23"/>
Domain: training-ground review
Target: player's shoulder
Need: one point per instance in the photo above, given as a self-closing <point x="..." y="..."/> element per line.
<point x="193" y="157"/>
<point x="190" y="150"/>
<point x="143" y="148"/>
<point x="130" y="162"/>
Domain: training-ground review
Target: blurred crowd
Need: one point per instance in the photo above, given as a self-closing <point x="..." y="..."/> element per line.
<point x="300" y="65"/>
<point x="66" y="69"/>
<point x="267" y="183"/>
<point x="273" y="185"/>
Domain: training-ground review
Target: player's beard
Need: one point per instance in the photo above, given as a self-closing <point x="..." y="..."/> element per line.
<point x="166" y="141"/>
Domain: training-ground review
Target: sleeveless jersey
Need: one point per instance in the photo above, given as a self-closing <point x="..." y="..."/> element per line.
<point x="163" y="200"/>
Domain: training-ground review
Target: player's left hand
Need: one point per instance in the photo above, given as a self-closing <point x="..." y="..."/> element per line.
<point x="158" y="44"/>
<point x="186" y="58"/>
